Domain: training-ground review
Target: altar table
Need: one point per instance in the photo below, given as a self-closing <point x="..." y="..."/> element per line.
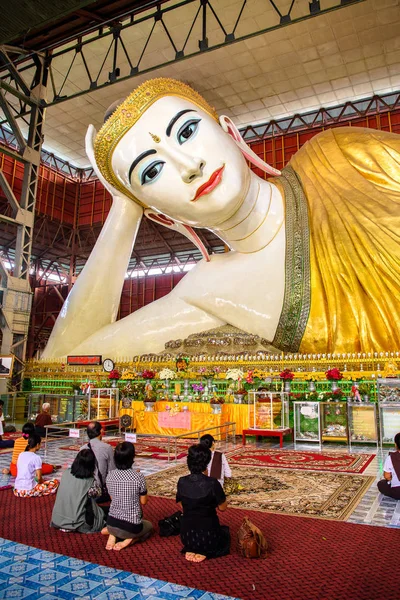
<point x="267" y="432"/>
<point x="147" y="422"/>
<point x="237" y="413"/>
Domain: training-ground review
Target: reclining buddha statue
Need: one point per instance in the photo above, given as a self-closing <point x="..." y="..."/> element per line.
<point x="314" y="265"/>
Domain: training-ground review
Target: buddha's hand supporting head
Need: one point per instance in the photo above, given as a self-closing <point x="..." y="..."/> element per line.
<point x="165" y="148"/>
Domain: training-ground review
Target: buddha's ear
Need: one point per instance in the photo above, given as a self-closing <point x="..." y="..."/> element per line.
<point x="182" y="228"/>
<point x="231" y="129"/>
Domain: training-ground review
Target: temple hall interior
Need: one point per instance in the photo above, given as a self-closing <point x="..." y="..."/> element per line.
<point x="199" y="299"/>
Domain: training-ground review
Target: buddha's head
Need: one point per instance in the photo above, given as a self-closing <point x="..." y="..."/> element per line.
<point x="164" y="148"/>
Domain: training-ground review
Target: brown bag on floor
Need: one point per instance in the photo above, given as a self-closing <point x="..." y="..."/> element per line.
<point x="251" y="540"/>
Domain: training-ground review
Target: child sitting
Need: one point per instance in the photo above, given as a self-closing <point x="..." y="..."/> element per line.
<point x="19" y="446"/>
<point x="29" y="481"/>
<point x="218" y="466"/>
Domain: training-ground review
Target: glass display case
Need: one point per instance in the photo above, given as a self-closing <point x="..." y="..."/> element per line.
<point x="307" y="423"/>
<point x="362" y="422"/>
<point x="268" y="410"/>
<point x="62" y="408"/>
<point x="333" y="416"/>
<point x="389" y="408"/>
<point x="103" y="403"/>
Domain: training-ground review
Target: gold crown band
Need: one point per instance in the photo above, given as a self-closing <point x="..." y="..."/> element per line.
<point x="129" y="112"/>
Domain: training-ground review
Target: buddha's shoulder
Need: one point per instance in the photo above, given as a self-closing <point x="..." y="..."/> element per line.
<point x="343" y="136"/>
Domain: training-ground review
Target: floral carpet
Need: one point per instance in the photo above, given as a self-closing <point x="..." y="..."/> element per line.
<point x="298" y="460"/>
<point x="330" y="496"/>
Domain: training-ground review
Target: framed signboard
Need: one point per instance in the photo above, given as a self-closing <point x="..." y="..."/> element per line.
<point x="84" y="360"/>
<point x="6" y="365"/>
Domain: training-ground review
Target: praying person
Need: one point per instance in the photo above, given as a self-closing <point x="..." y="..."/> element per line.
<point x="218" y="466"/>
<point x="20" y="446"/>
<point x="29" y="481"/>
<point x="43" y="419"/>
<point x="104" y="457"/>
<point x="4" y="443"/>
<point x="128" y="492"/>
<point x="199" y="496"/>
<point x="75" y="508"/>
<point x="390" y="484"/>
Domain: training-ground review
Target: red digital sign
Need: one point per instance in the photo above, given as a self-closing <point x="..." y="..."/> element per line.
<point x="84" y="360"/>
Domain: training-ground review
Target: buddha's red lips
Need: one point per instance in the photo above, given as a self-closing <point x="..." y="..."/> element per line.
<point x="212" y="183"/>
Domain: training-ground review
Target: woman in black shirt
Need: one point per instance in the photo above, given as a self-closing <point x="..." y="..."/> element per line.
<point x="199" y="495"/>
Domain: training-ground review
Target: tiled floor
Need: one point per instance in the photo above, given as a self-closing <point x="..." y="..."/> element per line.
<point x="29" y="573"/>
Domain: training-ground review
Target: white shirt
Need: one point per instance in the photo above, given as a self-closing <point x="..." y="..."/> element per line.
<point x="225" y="468"/>
<point x="1" y="428"/>
<point x="27" y="465"/>
<point x="388" y="468"/>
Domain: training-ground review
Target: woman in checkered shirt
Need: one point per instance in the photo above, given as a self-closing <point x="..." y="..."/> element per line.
<point x="128" y="492"/>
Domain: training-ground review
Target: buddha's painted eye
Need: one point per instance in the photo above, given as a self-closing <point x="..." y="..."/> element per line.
<point x="188" y="130"/>
<point x="150" y="173"/>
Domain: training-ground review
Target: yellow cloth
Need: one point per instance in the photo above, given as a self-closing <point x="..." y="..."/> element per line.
<point x="147" y="422"/>
<point x="351" y="177"/>
<point x="236" y="413"/>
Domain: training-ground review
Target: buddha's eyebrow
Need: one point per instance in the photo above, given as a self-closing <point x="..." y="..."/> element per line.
<point x="139" y="158"/>
<point x="175" y="118"/>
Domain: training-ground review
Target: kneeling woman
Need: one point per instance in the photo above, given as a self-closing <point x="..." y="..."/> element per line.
<point x="128" y="492"/>
<point x="75" y="508"/>
<point x="201" y="534"/>
<point x="29" y="481"/>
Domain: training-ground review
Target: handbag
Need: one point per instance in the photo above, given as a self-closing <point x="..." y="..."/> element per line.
<point x="251" y="540"/>
<point x="170" y="525"/>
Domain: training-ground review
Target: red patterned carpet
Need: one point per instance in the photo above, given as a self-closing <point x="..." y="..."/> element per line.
<point x="153" y="449"/>
<point x="308" y="559"/>
<point x="298" y="460"/>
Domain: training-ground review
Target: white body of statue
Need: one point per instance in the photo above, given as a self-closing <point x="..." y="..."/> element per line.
<point x="244" y="288"/>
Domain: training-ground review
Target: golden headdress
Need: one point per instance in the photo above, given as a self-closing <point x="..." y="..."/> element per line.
<point x="129" y="112"/>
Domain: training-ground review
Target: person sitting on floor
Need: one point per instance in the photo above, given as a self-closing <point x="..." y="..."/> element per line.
<point x="218" y="466"/>
<point x="75" y="508"/>
<point x="104" y="457"/>
<point x="20" y="446"/>
<point x="128" y="492"/>
<point x="29" y="481"/>
<point x="390" y="485"/>
<point x="4" y="443"/>
<point x="43" y="419"/>
<point x="199" y="496"/>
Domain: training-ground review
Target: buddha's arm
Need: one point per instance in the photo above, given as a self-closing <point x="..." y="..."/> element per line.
<point x="148" y="329"/>
<point x="94" y="300"/>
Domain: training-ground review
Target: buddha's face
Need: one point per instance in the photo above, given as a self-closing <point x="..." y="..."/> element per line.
<point x="178" y="160"/>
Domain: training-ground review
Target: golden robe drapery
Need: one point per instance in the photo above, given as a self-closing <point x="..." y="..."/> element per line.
<point x="351" y="179"/>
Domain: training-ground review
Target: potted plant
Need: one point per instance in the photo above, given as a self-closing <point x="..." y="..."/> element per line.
<point x="114" y="376"/>
<point x="216" y="404"/>
<point x="287" y="377"/>
<point x="334" y="375"/>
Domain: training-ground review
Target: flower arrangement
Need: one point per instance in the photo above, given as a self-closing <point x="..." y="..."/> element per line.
<point x="287" y="375"/>
<point x="234" y="374"/>
<point x="167" y="374"/>
<point x="216" y="400"/>
<point x="197" y="387"/>
<point x="182" y="363"/>
<point x="334" y="374"/>
<point x="147" y="374"/>
<point x="128" y="374"/>
<point x="114" y="374"/>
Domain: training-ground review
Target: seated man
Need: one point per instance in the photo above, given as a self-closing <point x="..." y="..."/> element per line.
<point x="390" y="485"/>
<point x="104" y="457"/>
<point x="43" y="419"/>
